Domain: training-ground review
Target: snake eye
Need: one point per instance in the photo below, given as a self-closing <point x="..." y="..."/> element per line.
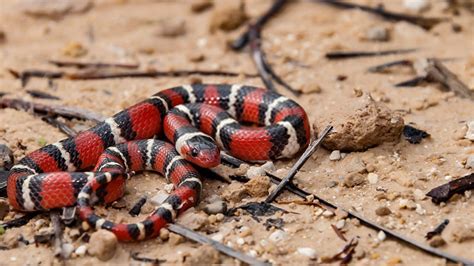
<point x="194" y="152"/>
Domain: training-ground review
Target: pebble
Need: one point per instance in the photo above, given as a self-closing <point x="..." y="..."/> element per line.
<point x="54" y="9"/>
<point x="353" y="179"/>
<point x="341" y="214"/>
<point x="258" y="186"/>
<point x="193" y="220"/>
<point x="378" y="33"/>
<point x="277" y="236"/>
<point x="335" y="155"/>
<point x="268" y="166"/>
<point x="255" y="171"/>
<point x="159" y="198"/>
<point x="172" y="28"/>
<point x="381" y="236"/>
<point x="419" y="195"/>
<point x="437" y="241"/>
<point x="416" y="5"/>
<point x="234" y="192"/>
<point x="420" y="210"/>
<point x="6" y="157"/>
<point x="66" y="250"/>
<point x="470" y="162"/>
<point x="175" y="239"/>
<point x="164" y="234"/>
<point x="103" y="244"/>
<point x="340" y="224"/>
<point x="215" y="207"/>
<point x="227" y="16"/>
<point x="383" y="211"/>
<point x="328" y="213"/>
<point x="198" y="6"/>
<point x="373" y="178"/>
<point x="74" y="49"/>
<point x="470" y="131"/>
<point x="81" y="250"/>
<point x="308" y="252"/>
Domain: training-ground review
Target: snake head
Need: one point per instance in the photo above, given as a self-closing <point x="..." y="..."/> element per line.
<point x="202" y="151"/>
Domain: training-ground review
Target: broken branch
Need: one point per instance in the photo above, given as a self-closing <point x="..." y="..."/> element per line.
<point x="444" y="192"/>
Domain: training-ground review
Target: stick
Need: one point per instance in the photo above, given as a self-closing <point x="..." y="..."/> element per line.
<point x="438" y="72"/>
<point x="19" y="221"/>
<point x="339" y="233"/>
<point x="297" y="166"/>
<point x="242" y="41"/>
<point x="444" y="192"/>
<point x="411" y="82"/>
<point x="383" y="67"/>
<point x="60" y="125"/>
<point x="92" y="65"/>
<point x="42" y="95"/>
<point x="64" y="111"/>
<point x="58" y="236"/>
<point x="426" y="23"/>
<point x="438" y="230"/>
<point x="352" y="54"/>
<point x="190" y="234"/>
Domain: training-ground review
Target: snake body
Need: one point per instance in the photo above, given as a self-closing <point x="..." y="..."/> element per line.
<point x="191" y="117"/>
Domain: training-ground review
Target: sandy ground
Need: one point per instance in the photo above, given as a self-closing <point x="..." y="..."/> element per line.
<point x="295" y="41"/>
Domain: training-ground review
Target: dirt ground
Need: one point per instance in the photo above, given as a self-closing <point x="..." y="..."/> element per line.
<point x="295" y="41"/>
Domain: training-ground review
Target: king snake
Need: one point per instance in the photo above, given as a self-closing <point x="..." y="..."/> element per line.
<point x="191" y="117"/>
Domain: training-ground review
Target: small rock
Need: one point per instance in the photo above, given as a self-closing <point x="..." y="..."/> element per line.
<point x="10" y="238"/>
<point x="74" y="49"/>
<point x="268" y="166"/>
<point x="378" y="34"/>
<point x="159" y="198"/>
<point x="6" y="157"/>
<point x="227" y="15"/>
<point x="416" y="5"/>
<point x="196" y="57"/>
<point x="470" y="131"/>
<point x="470" y="162"/>
<point x="420" y="210"/>
<point x="328" y="213"/>
<point x="335" y="155"/>
<point x="308" y="252"/>
<point x="192" y="219"/>
<point x="164" y="234"/>
<point x="172" y="28"/>
<point x="258" y="186"/>
<point x="340" y="214"/>
<point x="102" y="244"/>
<point x="383" y="211"/>
<point x="437" y="241"/>
<point x="44" y="235"/>
<point x="54" y="9"/>
<point x="340" y="224"/>
<point x="215" y="207"/>
<point x="381" y="236"/>
<point x="255" y="171"/>
<point x="277" y="236"/>
<point x="361" y="124"/>
<point x="175" y="239"/>
<point x="66" y="250"/>
<point x="419" y="195"/>
<point x="461" y="232"/>
<point x="4" y="208"/>
<point x="168" y="188"/>
<point x="373" y="178"/>
<point x="354" y="179"/>
<point x="81" y="250"/>
<point x="198" y="6"/>
<point x="204" y="255"/>
<point x="234" y="192"/>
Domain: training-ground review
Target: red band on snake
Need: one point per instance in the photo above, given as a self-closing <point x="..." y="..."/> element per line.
<point x="191" y="117"/>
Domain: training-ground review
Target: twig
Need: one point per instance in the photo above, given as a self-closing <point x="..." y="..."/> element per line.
<point x="135" y="256"/>
<point x="331" y="206"/>
<point x="264" y="69"/>
<point x="64" y="111"/>
<point x="91" y="65"/>
<point x="352" y="54"/>
<point x="58" y="236"/>
<point x="19" y="221"/>
<point x="411" y="82"/>
<point x="27" y="74"/>
<point x="385" y="66"/>
<point x="190" y="234"/>
<point x="42" y="95"/>
<point x="347" y="251"/>
<point x="137" y="207"/>
<point x="297" y="166"/>
<point x="444" y="192"/>
<point x="60" y="125"/>
<point x="438" y="72"/>
<point x="242" y="41"/>
<point x="438" y="230"/>
<point x="426" y="23"/>
<point x="338" y="233"/>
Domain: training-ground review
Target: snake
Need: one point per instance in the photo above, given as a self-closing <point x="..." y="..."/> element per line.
<point x="198" y="121"/>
